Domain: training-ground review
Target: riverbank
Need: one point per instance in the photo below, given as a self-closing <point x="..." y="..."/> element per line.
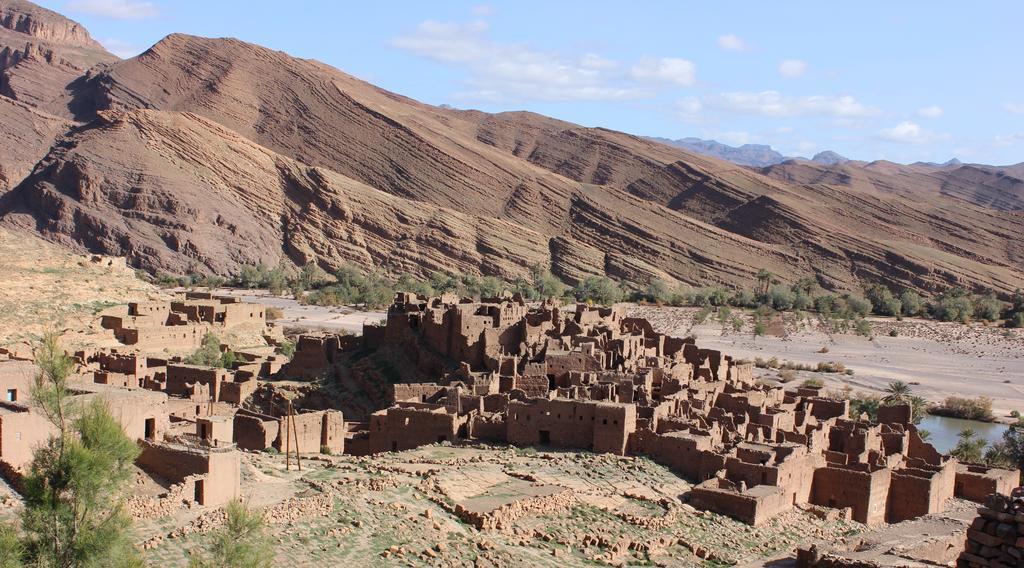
<point x="937" y="359"/>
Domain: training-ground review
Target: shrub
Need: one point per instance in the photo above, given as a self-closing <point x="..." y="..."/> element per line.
<point x="546" y="284"/>
<point x="830" y="367"/>
<point x="288" y="349"/>
<point x="813" y="383"/>
<point x="857" y="306"/>
<point x="968" y="408"/>
<point x="598" y="290"/>
<point x="325" y="449"/>
<point x="863" y="327"/>
<point x="911" y="303"/>
<point x="781" y="298"/>
<point x="274" y="313"/>
<point x="824" y="349"/>
<point x="883" y="302"/>
<point x="759" y="327"/>
<point x="787" y="375"/>
<point x="988" y="308"/>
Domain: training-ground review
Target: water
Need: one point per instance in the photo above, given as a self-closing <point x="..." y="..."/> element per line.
<point x="945" y="431"/>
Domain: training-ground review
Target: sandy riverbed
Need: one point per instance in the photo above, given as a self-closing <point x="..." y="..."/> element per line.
<point x="938" y="359"/>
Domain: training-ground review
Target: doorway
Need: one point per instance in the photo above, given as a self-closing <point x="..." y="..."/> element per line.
<point x="545" y="437"/>
<point x="150" y="428"/>
<point x="200" y="492"/>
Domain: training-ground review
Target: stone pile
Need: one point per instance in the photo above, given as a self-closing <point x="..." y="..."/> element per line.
<point x="996" y="538"/>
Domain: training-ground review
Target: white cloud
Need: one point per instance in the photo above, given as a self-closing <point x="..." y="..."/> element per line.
<point x="933" y="111"/>
<point x="908" y="132"/>
<point x="483" y="10"/>
<point x="731" y="42"/>
<point x="665" y="70"/>
<point x="1014" y="108"/>
<point x="1009" y="139"/>
<point x="792" y="68"/>
<point x="503" y="72"/>
<point x="594" y="61"/>
<point x="689" y="109"/>
<point x="734" y="138"/>
<point x="121" y="48"/>
<point x="116" y="9"/>
<point x="772" y="103"/>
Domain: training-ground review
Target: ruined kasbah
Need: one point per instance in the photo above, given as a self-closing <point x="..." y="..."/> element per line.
<point x="506" y="372"/>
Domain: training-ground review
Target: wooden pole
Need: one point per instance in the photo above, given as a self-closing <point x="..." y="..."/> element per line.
<point x="287" y="442"/>
<point x="291" y="411"/>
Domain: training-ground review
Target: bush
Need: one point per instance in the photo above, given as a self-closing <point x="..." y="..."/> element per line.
<point x="813" y="383"/>
<point x="657" y="291"/>
<point x="967" y="408"/>
<point x="952" y="305"/>
<point x="288" y="349"/>
<point x="274" y="313"/>
<point x="830" y="367"/>
<point x="857" y="306"/>
<point x="988" y="308"/>
<point x="883" y="302"/>
<point x="598" y="290"/>
<point x="325" y="449"/>
<point x="787" y="375"/>
<point x="911" y="303"/>
<point x="781" y="298"/>
<point x="863" y="327"/>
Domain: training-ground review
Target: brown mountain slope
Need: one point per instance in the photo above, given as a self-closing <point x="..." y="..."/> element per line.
<point x="585" y="200"/>
<point x="41" y="54"/>
<point x="26" y="135"/>
<point x="178" y="192"/>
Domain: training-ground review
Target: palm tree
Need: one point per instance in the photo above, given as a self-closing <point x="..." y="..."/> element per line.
<point x="763" y="278"/>
<point x="896" y="392"/>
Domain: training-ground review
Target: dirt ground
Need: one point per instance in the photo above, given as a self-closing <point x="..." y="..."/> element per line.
<point x="397" y="508"/>
<point x="937" y="359"/>
<point x="48" y="288"/>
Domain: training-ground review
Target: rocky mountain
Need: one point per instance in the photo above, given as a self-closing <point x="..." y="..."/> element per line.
<point x="756" y="155"/>
<point x="206" y="154"/>
<point x="829" y="158"/>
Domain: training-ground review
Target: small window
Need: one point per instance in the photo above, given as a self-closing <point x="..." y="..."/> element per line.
<point x="605" y="421"/>
<point x="12" y="395"/>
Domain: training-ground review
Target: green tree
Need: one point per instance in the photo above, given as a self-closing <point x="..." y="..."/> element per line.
<point x="599" y="290"/>
<point x="73" y="513"/>
<point x="12" y="550"/>
<point x="911" y="303"/>
<point x="208" y="353"/>
<point x="547" y="284"/>
<point x="240" y="543"/>
<point x="969" y="447"/>
<point x="896" y="392"/>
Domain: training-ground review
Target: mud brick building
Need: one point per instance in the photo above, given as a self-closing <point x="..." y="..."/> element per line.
<point x="590" y="378"/>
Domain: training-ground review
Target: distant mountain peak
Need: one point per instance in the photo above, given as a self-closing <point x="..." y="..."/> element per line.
<point x="754" y="155"/>
<point x="829" y="158"/>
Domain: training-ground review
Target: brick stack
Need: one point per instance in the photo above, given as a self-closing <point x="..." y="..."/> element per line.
<point x="996" y="537"/>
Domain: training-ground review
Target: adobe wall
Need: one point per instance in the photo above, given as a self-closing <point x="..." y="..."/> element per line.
<point x="237" y="392"/>
<point x="754" y="508"/>
<point x="220" y="470"/>
<point x="21" y="432"/>
<point x="255" y="432"/>
<point x="398" y="429"/>
<point x="975" y="482"/>
<point x="179" y="377"/>
<point x="865" y="493"/>
<point x="915" y="492"/>
<point x="333" y="431"/>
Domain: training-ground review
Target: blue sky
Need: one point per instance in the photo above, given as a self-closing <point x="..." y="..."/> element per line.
<point x="903" y="81"/>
